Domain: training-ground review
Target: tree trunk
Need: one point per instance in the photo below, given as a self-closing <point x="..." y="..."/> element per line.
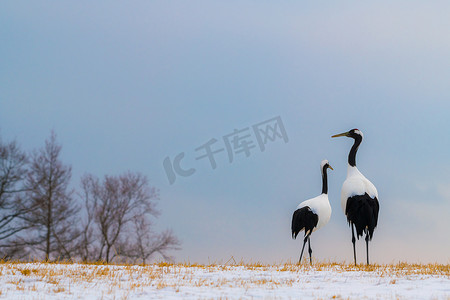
<point x="108" y="248"/>
<point x="47" y="238"/>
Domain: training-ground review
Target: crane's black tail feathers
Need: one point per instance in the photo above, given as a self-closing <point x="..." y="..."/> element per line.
<point x="362" y="211"/>
<point x="303" y="219"/>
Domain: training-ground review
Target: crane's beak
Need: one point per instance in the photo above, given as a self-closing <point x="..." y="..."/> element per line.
<point x="341" y="134"/>
<point x="330" y="167"/>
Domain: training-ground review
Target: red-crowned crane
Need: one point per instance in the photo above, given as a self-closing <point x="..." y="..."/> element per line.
<point x="359" y="197"/>
<point x="312" y="214"/>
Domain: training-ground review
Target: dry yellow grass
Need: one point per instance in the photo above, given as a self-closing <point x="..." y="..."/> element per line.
<point x="158" y="269"/>
<point x="58" y="277"/>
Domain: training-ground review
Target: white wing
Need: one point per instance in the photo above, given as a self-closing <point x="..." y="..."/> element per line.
<point x="356" y="184"/>
<point x="310" y="203"/>
<point x="321" y="207"/>
<point x="370" y="188"/>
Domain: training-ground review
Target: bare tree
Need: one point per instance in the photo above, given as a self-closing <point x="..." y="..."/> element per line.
<point x="53" y="219"/>
<point x="147" y="243"/>
<point x="13" y="163"/>
<point x="13" y="170"/>
<point x="112" y="208"/>
<point x="88" y="247"/>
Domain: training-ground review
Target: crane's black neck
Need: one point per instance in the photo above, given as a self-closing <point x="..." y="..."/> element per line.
<point x="324" y="180"/>
<point x="352" y="154"/>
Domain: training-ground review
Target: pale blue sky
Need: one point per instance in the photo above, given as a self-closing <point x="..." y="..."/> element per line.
<point x="126" y="84"/>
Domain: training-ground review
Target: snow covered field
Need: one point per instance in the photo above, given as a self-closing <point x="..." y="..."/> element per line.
<point x="165" y="281"/>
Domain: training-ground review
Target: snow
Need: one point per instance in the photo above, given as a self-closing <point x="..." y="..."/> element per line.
<point x="162" y="281"/>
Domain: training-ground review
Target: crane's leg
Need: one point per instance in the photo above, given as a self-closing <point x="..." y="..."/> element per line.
<point x="367" y="247"/>
<point x="303" y="248"/>
<point x="310" y="250"/>
<point x="353" y="241"/>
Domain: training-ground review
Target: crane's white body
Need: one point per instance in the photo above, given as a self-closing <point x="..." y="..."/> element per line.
<point x="362" y="213"/>
<point x="312" y="214"/>
<point x="321" y="207"/>
<point x="356" y="184"/>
